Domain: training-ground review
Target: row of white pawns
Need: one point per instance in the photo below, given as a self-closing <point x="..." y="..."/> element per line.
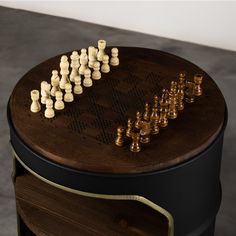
<point x="80" y="65"/>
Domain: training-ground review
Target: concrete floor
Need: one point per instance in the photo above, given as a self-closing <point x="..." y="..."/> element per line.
<point x="27" y="39"/>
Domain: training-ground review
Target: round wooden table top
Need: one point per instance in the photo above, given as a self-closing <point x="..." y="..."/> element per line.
<point x="82" y="135"/>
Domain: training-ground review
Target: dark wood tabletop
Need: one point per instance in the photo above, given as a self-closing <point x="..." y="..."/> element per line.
<point x="82" y="135"/>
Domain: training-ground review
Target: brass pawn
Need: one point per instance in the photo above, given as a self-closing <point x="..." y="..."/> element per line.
<point x="197" y="84"/>
<point x="129" y="128"/>
<point x="138" y="122"/>
<point x="146" y="112"/>
<point x="135" y="145"/>
<point x="119" y="139"/>
<point x="155" y="103"/>
<point x="145" y="132"/>
<point x="154" y="124"/>
<point x="163" y="119"/>
<point x="166" y="95"/>
<point x="189" y="92"/>
<point x="172" y="112"/>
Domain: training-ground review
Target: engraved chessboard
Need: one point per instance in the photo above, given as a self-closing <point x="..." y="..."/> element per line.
<point x="82" y="135"/>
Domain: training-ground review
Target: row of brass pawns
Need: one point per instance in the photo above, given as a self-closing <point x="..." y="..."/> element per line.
<point x="152" y="120"/>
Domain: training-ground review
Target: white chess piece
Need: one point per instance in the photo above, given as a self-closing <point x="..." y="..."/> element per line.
<point x="84" y="53"/>
<point x="96" y="71"/>
<point x="49" y="112"/>
<point x="42" y="92"/>
<point x="101" y="47"/>
<point x="55" y="82"/>
<point x="105" y="66"/>
<point x="64" y="66"/>
<point x="74" y="65"/>
<point x="35" y="106"/>
<point x="68" y="97"/>
<point x="87" y="78"/>
<point x="45" y="91"/>
<point x="78" y="88"/>
<point x="59" y="104"/>
<point x="114" y="59"/>
<point x="92" y="56"/>
<point x="83" y="62"/>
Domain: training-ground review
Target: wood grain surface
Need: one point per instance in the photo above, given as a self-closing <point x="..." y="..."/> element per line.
<point x="82" y="135"/>
<point x="49" y="211"/>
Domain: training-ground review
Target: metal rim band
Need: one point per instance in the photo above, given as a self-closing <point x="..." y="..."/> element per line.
<point x="137" y="198"/>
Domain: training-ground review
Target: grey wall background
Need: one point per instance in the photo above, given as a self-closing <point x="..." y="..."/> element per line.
<point x="204" y="22"/>
<point x="27" y="39"/>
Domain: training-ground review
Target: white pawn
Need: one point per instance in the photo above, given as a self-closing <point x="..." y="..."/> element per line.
<point x="68" y="97"/>
<point x="114" y="59"/>
<point x="84" y="53"/>
<point x="54" y="82"/>
<point x="49" y="112"/>
<point x="96" y="73"/>
<point x="74" y="65"/>
<point x="64" y="66"/>
<point x="87" y="78"/>
<point x="59" y="104"/>
<point x="105" y="66"/>
<point x="83" y="62"/>
<point x="45" y="91"/>
<point x="101" y="47"/>
<point x="92" y="56"/>
<point x="78" y="88"/>
<point x="35" y="106"/>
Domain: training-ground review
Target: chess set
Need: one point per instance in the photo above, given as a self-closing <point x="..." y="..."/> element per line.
<point x="116" y="108"/>
<point x="147" y="123"/>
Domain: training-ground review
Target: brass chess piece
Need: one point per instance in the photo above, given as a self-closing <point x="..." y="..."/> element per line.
<point x="180" y="97"/>
<point x="120" y="139"/>
<point x="146" y="112"/>
<point x="154" y="118"/>
<point x="155" y="101"/>
<point x="164" y="104"/>
<point x="135" y="145"/>
<point x="180" y="92"/>
<point x="173" y="112"/>
<point x="138" y="122"/>
<point x="129" y="128"/>
<point x="189" y="92"/>
<point x="182" y="78"/>
<point x="145" y="132"/>
<point x="197" y="84"/>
